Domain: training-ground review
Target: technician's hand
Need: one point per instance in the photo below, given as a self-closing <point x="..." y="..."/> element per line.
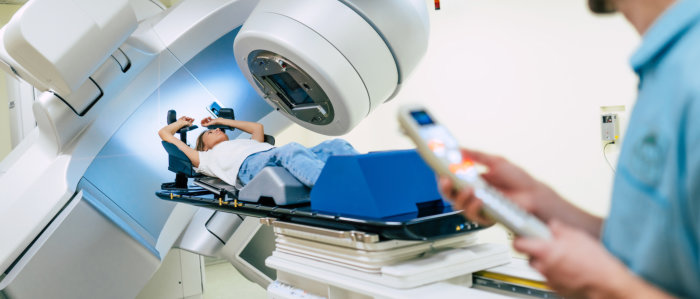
<point x="575" y="264"/>
<point x="209" y="121"/>
<point x="514" y="182"/>
<point x="185" y="121"/>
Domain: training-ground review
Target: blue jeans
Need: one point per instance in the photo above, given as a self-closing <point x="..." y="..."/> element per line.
<point x="303" y="163"/>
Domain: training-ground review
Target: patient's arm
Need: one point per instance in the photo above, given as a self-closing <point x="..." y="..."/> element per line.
<point x="167" y="133"/>
<point x="256" y="130"/>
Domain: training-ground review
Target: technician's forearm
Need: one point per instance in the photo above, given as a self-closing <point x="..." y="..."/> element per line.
<point x="628" y="285"/>
<point x="552" y="206"/>
<point x="645" y="290"/>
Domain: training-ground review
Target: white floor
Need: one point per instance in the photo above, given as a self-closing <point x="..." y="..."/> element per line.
<point x="222" y="281"/>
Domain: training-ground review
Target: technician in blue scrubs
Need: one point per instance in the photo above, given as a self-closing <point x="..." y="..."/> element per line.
<point x="649" y="245"/>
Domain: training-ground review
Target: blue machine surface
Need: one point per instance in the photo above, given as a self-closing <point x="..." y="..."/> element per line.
<point x="376" y="185"/>
<point x="213" y="73"/>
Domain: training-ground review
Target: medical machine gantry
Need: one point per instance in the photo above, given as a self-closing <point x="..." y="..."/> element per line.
<point x="78" y="215"/>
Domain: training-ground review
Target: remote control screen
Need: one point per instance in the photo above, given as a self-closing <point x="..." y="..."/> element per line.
<point x="422" y="117"/>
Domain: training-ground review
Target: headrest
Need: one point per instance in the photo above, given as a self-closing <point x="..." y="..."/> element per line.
<point x="178" y="161"/>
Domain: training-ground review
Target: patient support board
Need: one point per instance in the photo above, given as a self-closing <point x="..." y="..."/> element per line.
<point x="392" y="194"/>
<point x="406" y="227"/>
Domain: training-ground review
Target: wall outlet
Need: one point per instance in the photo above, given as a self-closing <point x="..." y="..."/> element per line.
<point x="609" y="127"/>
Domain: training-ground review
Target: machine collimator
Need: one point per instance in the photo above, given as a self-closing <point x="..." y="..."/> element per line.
<point x="325" y="76"/>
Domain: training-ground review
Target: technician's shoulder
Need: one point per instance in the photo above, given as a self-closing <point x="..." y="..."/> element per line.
<point x="683" y="62"/>
<point x="682" y="80"/>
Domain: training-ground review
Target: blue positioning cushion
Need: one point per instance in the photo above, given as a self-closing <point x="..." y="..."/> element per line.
<point x="374" y="185"/>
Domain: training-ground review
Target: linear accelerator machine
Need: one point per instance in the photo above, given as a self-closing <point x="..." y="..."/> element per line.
<point x="78" y="213"/>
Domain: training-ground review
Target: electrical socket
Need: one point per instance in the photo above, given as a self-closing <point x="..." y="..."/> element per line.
<point x="610" y="127"/>
<point x="610" y="123"/>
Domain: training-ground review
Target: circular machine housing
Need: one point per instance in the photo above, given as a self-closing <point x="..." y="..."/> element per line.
<point x="327" y="64"/>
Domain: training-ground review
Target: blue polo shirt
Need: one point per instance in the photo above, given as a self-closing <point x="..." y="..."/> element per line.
<point x="654" y="222"/>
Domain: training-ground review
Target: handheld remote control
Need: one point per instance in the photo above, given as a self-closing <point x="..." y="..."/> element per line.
<point x="442" y="152"/>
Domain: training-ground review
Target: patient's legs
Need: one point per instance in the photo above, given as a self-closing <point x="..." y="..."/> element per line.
<point x="300" y="161"/>
<point x="303" y="163"/>
<point x="306" y="164"/>
<point x="334" y="147"/>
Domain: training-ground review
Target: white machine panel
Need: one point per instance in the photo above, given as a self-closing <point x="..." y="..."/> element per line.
<point x="62" y="42"/>
<point x="78" y="193"/>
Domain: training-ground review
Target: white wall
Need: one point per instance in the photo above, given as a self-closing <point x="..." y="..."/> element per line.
<point x="6" y="12"/>
<point x="523" y="79"/>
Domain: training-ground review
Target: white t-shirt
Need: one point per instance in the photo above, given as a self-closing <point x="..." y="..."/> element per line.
<point x="225" y="159"/>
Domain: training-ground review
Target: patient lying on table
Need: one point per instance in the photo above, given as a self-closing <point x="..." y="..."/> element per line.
<point x="237" y="161"/>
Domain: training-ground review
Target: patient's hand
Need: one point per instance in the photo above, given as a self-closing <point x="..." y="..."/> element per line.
<point x="185" y="121"/>
<point x="208" y="121"/>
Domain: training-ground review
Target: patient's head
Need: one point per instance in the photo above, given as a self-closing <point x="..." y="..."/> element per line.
<point x="209" y="138"/>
